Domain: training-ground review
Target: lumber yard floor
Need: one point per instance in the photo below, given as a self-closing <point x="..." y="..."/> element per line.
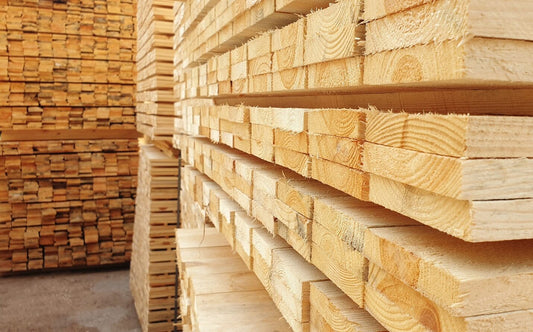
<point x="91" y="301"/>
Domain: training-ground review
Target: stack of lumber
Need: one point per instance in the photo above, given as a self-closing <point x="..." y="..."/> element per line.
<point x="66" y="203"/>
<point x="212" y="275"/>
<point x="372" y="166"/>
<point x="66" y="56"/>
<point x="423" y="43"/>
<point x="155" y="102"/>
<point x="386" y="156"/>
<point x="68" y="145"/>
<point x="370" y="255"/>
<point x="279" y="269"/>
<point x="152" y="274"/>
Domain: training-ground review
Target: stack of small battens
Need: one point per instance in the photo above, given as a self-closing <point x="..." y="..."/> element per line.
<point x="68" y="146"/>
<point x="370" y="161"/>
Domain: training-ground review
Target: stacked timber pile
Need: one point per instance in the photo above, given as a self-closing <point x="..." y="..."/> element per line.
<point x="378" y="161"/>
<point x="68" y="146"/>
<point x="211" y="274"/>
<point x="153" y="264"/>
<point x="155" y="102"/>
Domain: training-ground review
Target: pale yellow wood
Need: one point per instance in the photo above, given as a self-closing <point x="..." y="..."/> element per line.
<point x="253" y="310"/>
<point x="452" y="135"/>
<point x="343" y="265"/>
<point x="348" y="123"/>
<point x="349" y="218"/>
<point x="475" y="60"/>
<point x="300" y="6"/>
<point x="338" y="73"/>
<point x="343" y="151"/>
<point x="467" y="179"/>
<point x="259" y="66"/>
<point x="293" y="160"/>
<point x="473" y="221"/>
<point x="464" y="278"/>
<point x="290" y="79"/>
<point x="333" y="33"/>
<point x="300" y="194"/>
<point x="442" y="20"/>
<point x="294" y="239"/>
<point x="292" y="141"/>
<point x="264" y="243"/>
<point x="259" y="46"/>
<point x="378" y="8"/>
<point x="400" y="308"/>
<point x="338" y="311"/>
<point x="348" y="180"/>
<point x="260" y="83"/>
<point x="290" y="35"/>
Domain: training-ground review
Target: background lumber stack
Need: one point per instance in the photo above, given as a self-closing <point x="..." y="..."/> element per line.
<point x="68" y="142"/>
<point x="155" y="103"/>
<point x="152" y="274"/>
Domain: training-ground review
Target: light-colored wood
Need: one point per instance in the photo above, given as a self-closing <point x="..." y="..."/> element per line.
<point x="338" y="73"/>
<point x="333" y="33"/>
<point x="337" y="122"/>
<point x="342" y="264"/>
<point x="473" y="221"/>
<point x="293" y="160"/>
<point x="339" y="312"/>
<point x="208" y="280"/>
<point x="451" y="135"/>
<point x="465" y="179"/>
<point x="300" y="194"/>
<point x="343" y="151"/>
<point x="438" y="21"/>
<point x="290" y="79"/>
<point x="459" y="276"/>
<point x="400" y="308"/>
<point x="348" y="180"/>
<point x="451" y="61"/>
<point x="378" y="8"/>
<point x="300" y="6"/>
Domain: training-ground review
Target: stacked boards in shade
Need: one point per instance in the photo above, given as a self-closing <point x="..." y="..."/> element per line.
<point x="66" y="203"/>
<point x="68" y="140"/>
<point x="155" y="102"/>
<point x="153" y="262"/>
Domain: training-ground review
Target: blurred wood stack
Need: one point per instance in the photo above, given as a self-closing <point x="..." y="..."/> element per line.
<point x="153" y="263"/>
<point x="155" y="103"/>
<point x="68" y="146"/>
<point x="375" y="154"/>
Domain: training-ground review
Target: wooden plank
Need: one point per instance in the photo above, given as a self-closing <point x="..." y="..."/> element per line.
<point x="338" y="311"/>
<point x="466" y="179"/>
<point x="451" y="135"/>
<point x="434" y="24"/>
<point x="343" y="151"/>
<point x="342" y="264"/>
<point x="385" y="300"/>
<point x="348" y="180"/>
<point x="461" y="297"/>
<point x="451" y="61"/>
<point x="332" y="33"/>
<point x="473" y="221"/>
<point x="338" y="73"/>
